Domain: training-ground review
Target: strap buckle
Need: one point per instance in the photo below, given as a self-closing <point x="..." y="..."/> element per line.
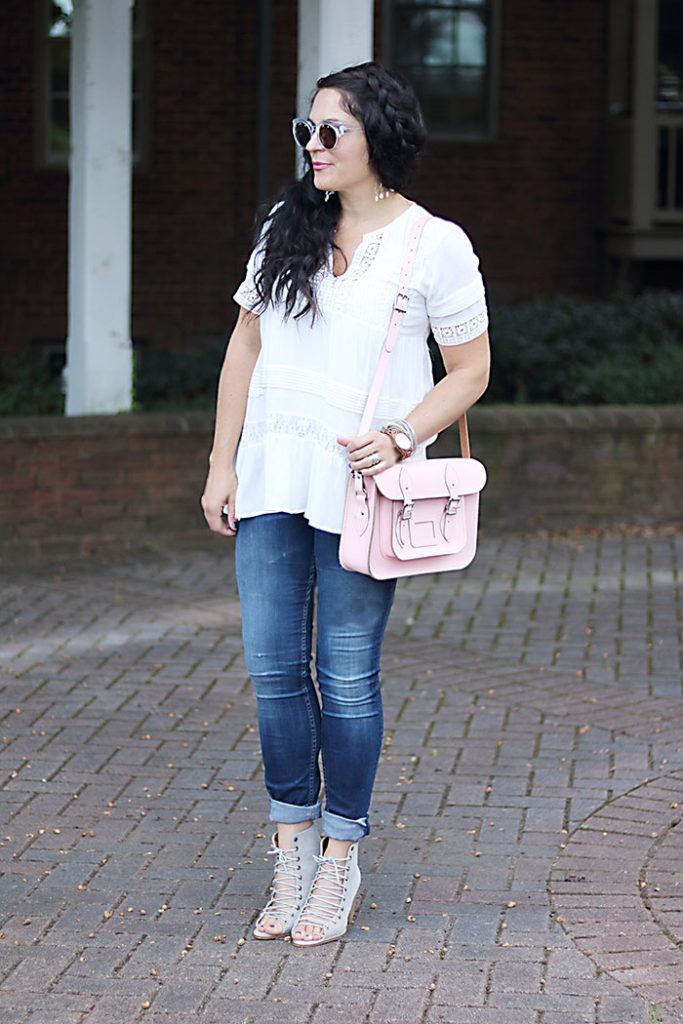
<point x="407" y="511"/>
<point x="452" y="506"/>
<point x="401" y="303"/>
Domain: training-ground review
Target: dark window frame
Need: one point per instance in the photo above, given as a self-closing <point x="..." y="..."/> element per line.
<point x="48" y="158"/>
<point x="489" y="131"/>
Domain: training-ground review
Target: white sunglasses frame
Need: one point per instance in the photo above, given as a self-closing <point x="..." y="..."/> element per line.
<point x="338" y="129"/>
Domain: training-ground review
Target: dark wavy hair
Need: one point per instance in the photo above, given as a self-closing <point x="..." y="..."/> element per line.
<point x="298" y="233"/>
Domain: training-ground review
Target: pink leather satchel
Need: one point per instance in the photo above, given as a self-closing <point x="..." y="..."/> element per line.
<point x="419" y="516"/>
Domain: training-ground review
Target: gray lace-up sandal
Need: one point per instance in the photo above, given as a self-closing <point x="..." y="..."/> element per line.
<point x="292" y="879"/>
<point x="332" y="902"/>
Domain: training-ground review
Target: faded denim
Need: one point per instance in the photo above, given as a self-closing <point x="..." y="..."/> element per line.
<point x="282" y="563"/>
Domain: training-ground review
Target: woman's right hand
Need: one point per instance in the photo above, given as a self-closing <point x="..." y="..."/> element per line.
<point x="220" y="489"/>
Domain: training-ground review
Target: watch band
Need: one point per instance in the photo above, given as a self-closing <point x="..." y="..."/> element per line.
<point x="407" y="428"/>
<point x="391" y="431"/>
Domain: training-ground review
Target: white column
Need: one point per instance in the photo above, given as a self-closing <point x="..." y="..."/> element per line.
<point x="99" y="352"/>
<point x="332" y="35"/>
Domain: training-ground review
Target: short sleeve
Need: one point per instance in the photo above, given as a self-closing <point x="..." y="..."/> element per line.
<point x="454" y="289"/>
<point x="247" y="295"/>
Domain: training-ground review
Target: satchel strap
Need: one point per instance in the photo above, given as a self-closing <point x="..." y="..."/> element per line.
<point x="399" y="311"/>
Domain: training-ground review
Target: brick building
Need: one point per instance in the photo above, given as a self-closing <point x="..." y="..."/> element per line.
<point x="546" y="145"/>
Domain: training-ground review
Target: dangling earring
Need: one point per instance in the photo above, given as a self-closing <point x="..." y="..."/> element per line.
<point x="328" y="194"/>
<point x="382" y="192"/>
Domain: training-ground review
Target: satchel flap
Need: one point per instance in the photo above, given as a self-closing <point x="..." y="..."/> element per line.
<point x="431" y="478"/>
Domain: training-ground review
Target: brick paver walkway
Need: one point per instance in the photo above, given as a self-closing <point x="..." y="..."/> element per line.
<point x="526" y="859"/>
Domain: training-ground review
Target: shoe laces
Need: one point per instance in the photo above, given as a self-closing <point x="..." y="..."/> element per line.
<point x="286" y="881"/>
<point x="327" y="894"/>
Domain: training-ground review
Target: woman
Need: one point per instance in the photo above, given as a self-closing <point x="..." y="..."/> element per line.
<point x="316" y="303"/>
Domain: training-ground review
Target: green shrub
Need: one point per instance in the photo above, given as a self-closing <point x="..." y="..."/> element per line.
<point x="27" y="389"/>
<point x="178" y="379"/>
<point x="551" y="350"/>
<point x="620" y="351"/>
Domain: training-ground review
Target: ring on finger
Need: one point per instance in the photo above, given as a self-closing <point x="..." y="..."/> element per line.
<point x="375" y="459"/>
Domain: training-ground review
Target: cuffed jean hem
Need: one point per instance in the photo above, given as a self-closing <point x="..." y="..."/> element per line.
<point x="291" y="814"/>
<point x="336" y="827"/>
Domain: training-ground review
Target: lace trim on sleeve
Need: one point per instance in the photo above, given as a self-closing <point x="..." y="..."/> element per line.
<point x="456" y="334"/>
<point x="249" y="297"/>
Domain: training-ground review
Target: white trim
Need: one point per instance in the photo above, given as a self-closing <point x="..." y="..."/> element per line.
<point x="644" y="139"/>
<point x="332" y="35"/>
<point x="99" y="368"/>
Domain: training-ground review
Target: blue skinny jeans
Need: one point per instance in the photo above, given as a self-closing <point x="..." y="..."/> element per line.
<point x="281" y="562"/>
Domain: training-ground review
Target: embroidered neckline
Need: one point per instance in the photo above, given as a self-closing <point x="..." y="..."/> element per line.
<point x="361" y="262"/>
<point x="370" y="241"/>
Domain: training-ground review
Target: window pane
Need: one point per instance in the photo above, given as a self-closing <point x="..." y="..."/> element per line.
<point x="471" y="89"/>
<point x="471" y="39"/>
<point x="452" y="98"/>
<point x="438" y="38"/>
<point x="59" y="127"/>
<point x="59" y="70"/>
<point x="434" y="86"/>
<point x="670" y="76"/>
<point x="423" y="37"/>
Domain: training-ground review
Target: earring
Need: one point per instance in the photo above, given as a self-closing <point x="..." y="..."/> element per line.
<point x="382" y="192"/>
<point x="328" y="195"/>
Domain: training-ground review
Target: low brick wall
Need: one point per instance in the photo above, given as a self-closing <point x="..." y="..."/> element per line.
<point x="84" y="483"/>
<point x="555" y="467"/>
<point x="73" y="485"/>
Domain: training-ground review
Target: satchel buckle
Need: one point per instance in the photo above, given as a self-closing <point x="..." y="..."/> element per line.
<point x="407" y="511"/>
<point x="452" y="506"/>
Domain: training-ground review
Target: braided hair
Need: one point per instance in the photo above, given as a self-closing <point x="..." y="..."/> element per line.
<point x="297" y="234"/>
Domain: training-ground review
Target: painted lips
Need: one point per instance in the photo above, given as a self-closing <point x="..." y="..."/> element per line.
<point x="320" y="167"/>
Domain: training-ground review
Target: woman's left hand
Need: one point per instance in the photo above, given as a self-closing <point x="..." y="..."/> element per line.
<point x="369" y="453"/>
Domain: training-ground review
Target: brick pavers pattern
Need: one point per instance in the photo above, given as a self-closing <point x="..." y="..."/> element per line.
<point x="635" y="904"/>
<point x="525" y="861"/>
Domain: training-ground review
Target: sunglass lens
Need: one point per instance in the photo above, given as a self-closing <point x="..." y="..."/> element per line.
<point x="327" y="136"/>
<point x="302" y="133"/>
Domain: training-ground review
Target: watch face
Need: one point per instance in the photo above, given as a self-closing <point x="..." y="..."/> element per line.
<point x="403" y="441"/>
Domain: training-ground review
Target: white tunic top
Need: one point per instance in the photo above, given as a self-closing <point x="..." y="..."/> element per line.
<point x="311" y="378"/>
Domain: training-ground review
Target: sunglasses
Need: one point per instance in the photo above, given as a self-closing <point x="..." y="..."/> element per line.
<point x="329" y="133"/>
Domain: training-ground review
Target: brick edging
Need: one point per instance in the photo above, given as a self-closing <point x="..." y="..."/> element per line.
<point x="483" y="418"/>
<point x="579" y="418"/>
<point x="91" y="482"/>
<point x="124" y="424"/>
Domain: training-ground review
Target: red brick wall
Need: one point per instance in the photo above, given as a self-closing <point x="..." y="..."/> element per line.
<point x="33" y="205"/>
<point x="74" y="485"/>
<point x="87" y="483"/>
<point x="530" y="199"/>
<point x="194" y="207"/>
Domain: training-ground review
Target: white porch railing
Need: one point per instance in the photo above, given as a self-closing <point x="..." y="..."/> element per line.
<point x="669" y="199"/>
<point x="627" y="177"/>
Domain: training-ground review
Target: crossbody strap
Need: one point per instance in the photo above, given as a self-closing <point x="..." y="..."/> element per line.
<point x="399" y="311"/>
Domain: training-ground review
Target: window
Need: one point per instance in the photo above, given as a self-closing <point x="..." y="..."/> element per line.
<point x="53" y="60"/>
<point x="670" y="56"/>
<point x="669" y="103"/>
<point x="445" y="49"/>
